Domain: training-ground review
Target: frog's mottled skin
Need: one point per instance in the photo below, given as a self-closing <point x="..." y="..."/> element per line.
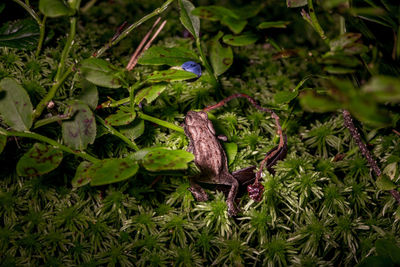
<point x="210" y="158"/>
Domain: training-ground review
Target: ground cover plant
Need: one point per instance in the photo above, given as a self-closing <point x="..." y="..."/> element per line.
<point x="94" y="167"/>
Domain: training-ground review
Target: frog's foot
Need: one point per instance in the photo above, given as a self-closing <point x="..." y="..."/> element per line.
<point x="198" y="192"/>
<point x="232" y="209"/>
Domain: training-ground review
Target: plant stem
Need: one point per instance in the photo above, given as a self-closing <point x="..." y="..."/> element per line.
<point x="50" y="141"/>
<point x="41" y="37"/>
<point x="161" y="122"/>
<point x="315" y="22"/>
<point x="132" y="27"/>
<point x="67" y="48"/>
<point x="88" y="6"/>
<point x="206" y="64"/>
<point x="32" y="12"/>
<point x="114" y="132"/>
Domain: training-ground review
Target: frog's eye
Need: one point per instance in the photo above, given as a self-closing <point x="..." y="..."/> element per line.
<point x="188" y="119"/>
<point x="203" y="115"/>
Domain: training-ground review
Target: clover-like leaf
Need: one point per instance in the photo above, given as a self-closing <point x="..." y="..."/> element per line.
<point x="21" y="34"/>
<point x="54" y="8"/>
<point x="15" y="105"/>
<point x="161" y="159"/>
<point x="172" y="56"/>
<point x="312" y="101"/>
<point x="120" y="118"/>
<point x="133" y="130"/>
<point x="40" y="159"/>
<point x="111" y="171"/>
<point x="384" y="89"/>
<point x="190" y="21"/>
<point x="221" y="57"/>
<point x="150" y="93"/>
<point x="89" y="94"/>
<point x="171" y="75"/>
<point x="284" y="97"/>
<point x="231" y="151"/>
<point x="100" y="72"/>
<point x="81" y="129"/>
<point x="82" y="177"/>
<point x="240" y="40"/>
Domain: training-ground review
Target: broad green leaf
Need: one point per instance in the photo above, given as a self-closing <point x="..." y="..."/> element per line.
<point x="81" y="129"/>
<point x="82" y="177"/>
<point x="190" y="21"/>
<point x="3" y="142"/>
<point x="231" y="151"/>
<point x="15" y="106"/>
<point x="171" y="75"/>
<point x="40" y="159"/>
<point x="161" y="159"/>
<point x="388" y="248"/>
<point x="273" y="24"/>
<point x="214" y="13"/>
<point x="240" y="40"/>
<point x="376" y="261"/>
<point x="120" y="118"/>
<point x="89" y="94"/>
<point x="311" y="101"/>
<point x="111" y="171"/>
<point x="221" y="57"/>
<point x="133" y="130"/>
<point x="384" y="89"/>
<point x="340" y="59"/>
<point x="174" y="56"/>
<point x="284" y="97"/>
<point x="21" y="34"/>
<point x="366" y="110"/>
<point x="384" y="183"/>
<point x="235" y="25"/>
<point x="54" y="8"/>
<point x="150" y="93"/>
<point x="100" y="72"/>
<point x="296" y="3"/>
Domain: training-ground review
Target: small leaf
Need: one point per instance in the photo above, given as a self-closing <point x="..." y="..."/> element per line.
<point x="311" y="101"/>
<point x="214" y="13"/>
<point x="231" y="151"/>
<point x="240" y="40"/>
<point x="161" y="159"/>
<point x="81" y="129"/>
<point x="133" y="130"/>
<point x="221" y="57"/>
<point x="384" y="183"/>
<point x="366" y="110"/>
<point x="171" y="75"/>
<point x="15" y="106"/>
<point x="21" y="34"/>
<point x="384" y="89"/>
<point x="190" y="21"/>
<point x="235" y="25"/>
<point x="40" y="159"/>
<point x="100" y="72"/>
<point x="81" y="175"/>
<point x="89" y="94"/>
<point x="388" y="248"/>
<point x="3" y="142"/>
<point x="284" y="97"/>
<point x="296" y="3"/>
<point x="338" y="70"/>
<point x="174" y="56"/>
<point x="273" y="24"/>
<point x="54" y="8"/>
<point x="120" y="118"/>
<point x="111" y="171"/>
<point x="340" y="59"/>
<point x="343" y="41"/>
<point x="150" y="93"/>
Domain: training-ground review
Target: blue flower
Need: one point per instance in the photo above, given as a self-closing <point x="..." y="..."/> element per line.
<point x="193" y="67"/>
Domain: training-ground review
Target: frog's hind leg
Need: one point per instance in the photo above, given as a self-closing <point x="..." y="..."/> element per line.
<point x="230" y="201"/>
<point x="197" y="191"/>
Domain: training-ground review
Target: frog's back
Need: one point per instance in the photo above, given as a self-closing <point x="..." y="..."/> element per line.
<point x="210" y="157"/>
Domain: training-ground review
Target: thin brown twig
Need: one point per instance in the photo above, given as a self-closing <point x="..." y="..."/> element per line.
<point x="396" y="132"/>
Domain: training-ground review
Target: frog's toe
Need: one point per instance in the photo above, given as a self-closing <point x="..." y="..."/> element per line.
<point x="199" y="195"/>
<point x="233" y="211"/>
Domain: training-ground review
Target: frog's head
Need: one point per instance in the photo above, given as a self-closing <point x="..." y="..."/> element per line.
<point x="196" y="118"/>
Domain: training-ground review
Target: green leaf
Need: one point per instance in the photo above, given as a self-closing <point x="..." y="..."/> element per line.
<point x="311" y="101"/>
<point x="397" y="213"/>
<point x="231" y="151"/>
<point x="21" y="34"/>
<point x="214" y="13"/>
<point x="343" y="41"/>
<point x="273" y="24"/>
<point x="171" y="75"/>
<point x="235" y="25"/>
<point x="15" y="106"/>
<point x="2" y="6"/>
<point x="100" y="72"/>
<point x="40" y="159"/>
<point x="133" y="130"/>
<point x="120" y="118"/>
<point x="82" y="177"/>
<point x="81" y="129"/>
<point x="221" y="57"/>
<point x="150" y="93"/>
<point x="54" y="8"/>
<point x="111" y="171"/>
<point x="240" y="40"/>
<point x="296" y="3"/>
<point x="174" y="56"/>
<point x="189" y="21"/>
<point x="376" y="261"/>
<point x="89" y="94"/>
<point x="384" y="183"/>
<point x="341" y="59"/>
<point x="161" y="159"/>
<point x="338" y="70"/>
<point x="383" y="89"/>
<point x="364" y="108"/>
<point x="3" y="142"/>
<point x="284" y="97"/>
<point x="388" y="248"/>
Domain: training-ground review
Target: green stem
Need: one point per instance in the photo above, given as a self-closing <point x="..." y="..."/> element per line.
<point x="88" y="6"/>
<point x="161" y="122"/>
<point x="41" y="37"/>
<point x="67" y="48"/>
<point x="206" y="64"/>
<point x="52" y="119"/>
<point x="315" y="22"/>
<point x="32" y="12"/>
<point x="49" y="141"/>
<point x="132" y="27"/>
<point x="114" y="132"/>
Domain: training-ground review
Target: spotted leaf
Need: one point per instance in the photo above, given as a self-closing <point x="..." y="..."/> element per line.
<point x="161" y="159"/>
<point x="111" y="171"/>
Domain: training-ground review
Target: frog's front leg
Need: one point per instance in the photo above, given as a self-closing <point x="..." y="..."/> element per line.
<point x="197" y="191"/>
<point x="228" y="179"/>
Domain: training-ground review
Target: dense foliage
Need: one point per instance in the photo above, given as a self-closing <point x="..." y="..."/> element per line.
<point x="93" y="158"/>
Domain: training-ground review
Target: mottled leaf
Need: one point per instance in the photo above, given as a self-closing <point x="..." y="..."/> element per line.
<point x="100" y="72"/>
<point x="231" y="151"/>
<point x="15" y="106"/>
<point x="54" y="8"/>
<point x="89" y="94"/>
<point x="273" y="24"/>
<point x="190" y="21"/>
<point x="133" y="130"/>
<point x="221" y="57"/>
<point x="174" y="56"/>
<point x="240" y="40"/>
<point x="82" y="177"/>
<point x="296" y="3"/>
<point x="21" y="34"/>
<point x="3" y="142"/>
<point x="171" y="75"/>
<point x="311" y="101"/>
<point x="40" y="159"/>
<point x="111" y="171"/>
<point x="284" y="97"/>
<point x="81" y="129"/>
<point x="150" y="93"/>
<point x="384" y="183"/>
<point x="384" y="88"/>
<point x="122" y="117"/>
<point x="235" y="25"/>
<point x="388" y="248"/>
<point x="161" y="159"/>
